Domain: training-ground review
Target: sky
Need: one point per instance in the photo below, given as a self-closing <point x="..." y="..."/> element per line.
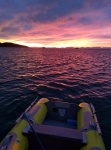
<point x="56" y="23"/>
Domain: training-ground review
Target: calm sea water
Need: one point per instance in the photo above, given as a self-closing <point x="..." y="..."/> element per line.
<point x="58" y="74"/>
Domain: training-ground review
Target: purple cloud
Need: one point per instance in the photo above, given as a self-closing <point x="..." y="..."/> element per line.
<point x="54" y="21"/>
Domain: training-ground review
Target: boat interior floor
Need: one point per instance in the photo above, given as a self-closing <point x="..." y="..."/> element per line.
<point x="58" y="123"/>
<point x="58" y="131"/>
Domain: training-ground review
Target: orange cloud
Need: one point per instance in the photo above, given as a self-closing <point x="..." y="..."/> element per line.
<point x="76" y="23"/>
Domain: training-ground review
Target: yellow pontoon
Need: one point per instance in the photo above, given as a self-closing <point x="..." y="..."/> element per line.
<point x="55" y="125"/>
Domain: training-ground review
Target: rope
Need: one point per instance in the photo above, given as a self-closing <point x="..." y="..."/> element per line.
<point x="37" y="138"/>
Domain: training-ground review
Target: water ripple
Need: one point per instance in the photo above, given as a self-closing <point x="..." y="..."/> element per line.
<point x="58" y="74"/>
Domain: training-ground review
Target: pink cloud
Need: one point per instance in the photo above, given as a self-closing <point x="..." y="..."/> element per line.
<point x="34" y="26"/>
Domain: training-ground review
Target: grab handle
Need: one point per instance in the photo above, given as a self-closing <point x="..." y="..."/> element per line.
<point x="8" y="141"/>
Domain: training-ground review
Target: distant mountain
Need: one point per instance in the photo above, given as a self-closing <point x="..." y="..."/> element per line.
<point x="7" y="44"/>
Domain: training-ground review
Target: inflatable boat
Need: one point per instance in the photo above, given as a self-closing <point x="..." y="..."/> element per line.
<point x="55" y="125"/>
